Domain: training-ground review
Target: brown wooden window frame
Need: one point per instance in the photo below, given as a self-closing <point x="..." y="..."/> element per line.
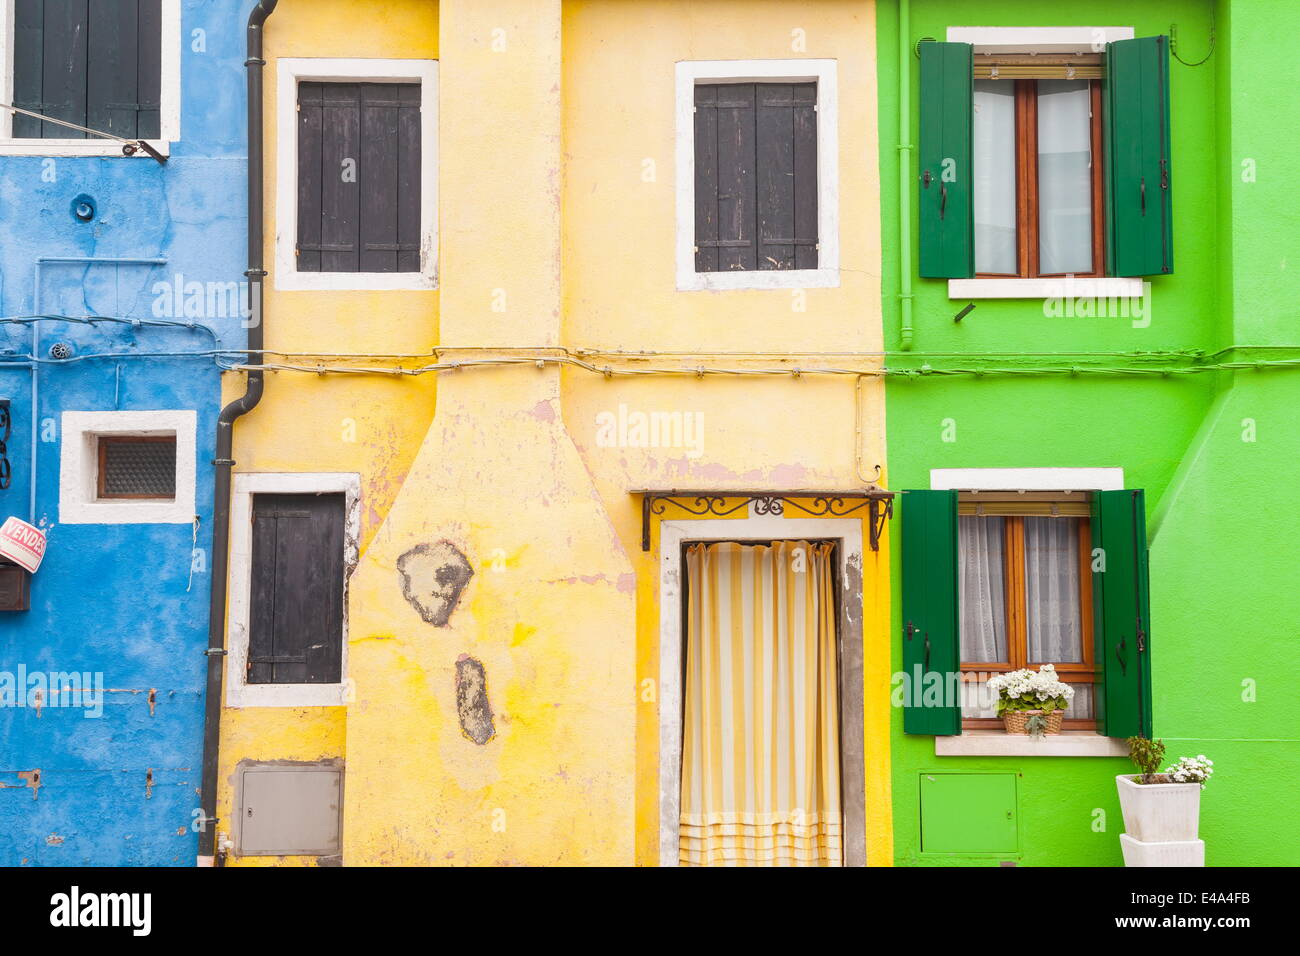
<point x="1027" y="212"/>
<point x="1071" y="672"/>
<point x="101" y="468"/>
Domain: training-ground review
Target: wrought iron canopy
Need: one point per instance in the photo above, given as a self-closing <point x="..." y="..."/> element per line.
<point x="819" y="504"/>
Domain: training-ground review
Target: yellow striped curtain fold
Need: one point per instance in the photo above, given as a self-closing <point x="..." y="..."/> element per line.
<point x="760" y="735"/>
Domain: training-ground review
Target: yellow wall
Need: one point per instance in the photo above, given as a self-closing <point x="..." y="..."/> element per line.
<point x="367" y="425"/>
<point x="550" y="236"/>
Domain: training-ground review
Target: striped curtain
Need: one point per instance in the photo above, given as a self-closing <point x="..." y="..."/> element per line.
<point x="760" y="735"/>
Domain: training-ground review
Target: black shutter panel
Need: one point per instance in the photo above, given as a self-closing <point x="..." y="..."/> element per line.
<point x="261" y="602"/>
<point x="379" y="171"/>
<point x="29" y="48"/>
<point x="310" y="101"/>
<point x="786" y="168"/>
<point x="408" y="178"/>
<point x="733" y="158"/>
<point x="63" y="81"/>
<point x="706" y="178"/>
<point x="805" y="176"/>
<point x="340" y="175"/>
<point x="296" y="614"/>
<point x="149" y="71"/>
<point x="112" y="97"/>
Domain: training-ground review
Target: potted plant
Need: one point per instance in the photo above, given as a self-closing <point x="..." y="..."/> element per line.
<point x="1162" y="810"/>
<point x="1031" y="702"/>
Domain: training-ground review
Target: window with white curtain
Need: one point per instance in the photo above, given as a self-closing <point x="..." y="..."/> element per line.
<point x="1037" y="168"/>
<point x="1025" y="594"/>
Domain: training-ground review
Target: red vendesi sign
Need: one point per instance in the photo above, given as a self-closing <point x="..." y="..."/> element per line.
<point x="22" y="544"/>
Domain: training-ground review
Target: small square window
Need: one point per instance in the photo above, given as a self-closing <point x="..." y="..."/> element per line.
<point x="137" y="467"/>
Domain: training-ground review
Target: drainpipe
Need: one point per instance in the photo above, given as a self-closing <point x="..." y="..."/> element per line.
<point x="904" y="178"/>
<point x="225" y="440"/>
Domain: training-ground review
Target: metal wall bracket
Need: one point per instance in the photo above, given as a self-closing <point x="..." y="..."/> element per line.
<point x="822" y="504"/>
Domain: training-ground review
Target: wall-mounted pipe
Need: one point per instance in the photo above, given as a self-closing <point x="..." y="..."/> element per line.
<point x="254" y="64"/>
<point x="904" y="178"/>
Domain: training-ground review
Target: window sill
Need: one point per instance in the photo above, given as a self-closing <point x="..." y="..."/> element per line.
<point x="1067" y="287"/>
<point x="996" y="743"/>
<point x="759" y="279"/>
<point x="354" y="281"/>
<point x="287" y="695"/>
<point x="77" y="147"/>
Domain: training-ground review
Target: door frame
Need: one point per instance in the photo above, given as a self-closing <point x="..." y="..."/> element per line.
<point x="847" y="533"/>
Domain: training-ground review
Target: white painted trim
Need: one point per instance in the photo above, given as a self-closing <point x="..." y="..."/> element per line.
<point x="240" y="693"/>
<point x="827" y="274"/>
<point x="1027" y="479"/>
<point x="79" y="467"/>
<point x="289" y="72"/>
<point x="672" y="534"/>
<point x="995" y="743"/>
<point x="169" y="105"/>
<point x="1068" y="287"/>
<point x="1038" y="39"/>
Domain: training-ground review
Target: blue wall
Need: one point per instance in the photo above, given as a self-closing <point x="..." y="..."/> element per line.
<point x="119" y="599"/>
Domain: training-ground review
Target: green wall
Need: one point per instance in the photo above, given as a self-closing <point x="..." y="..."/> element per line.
<point x="1225" y="540"/>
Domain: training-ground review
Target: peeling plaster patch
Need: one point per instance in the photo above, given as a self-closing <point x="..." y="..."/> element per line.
<point x="33" y="778"/>
<point x="627" y="583"/>
<point x="433" y="577"/>
<point x="54" y="840"/>
<point x="544" y="411"/>
<point x="472" y="701"/>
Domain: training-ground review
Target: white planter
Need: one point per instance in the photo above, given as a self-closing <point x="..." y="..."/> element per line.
<point x="1159" y="812"/>
<point x="1168" y="853"/>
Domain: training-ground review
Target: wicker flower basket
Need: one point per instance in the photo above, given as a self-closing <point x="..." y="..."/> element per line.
<point x="1015" y="720"/>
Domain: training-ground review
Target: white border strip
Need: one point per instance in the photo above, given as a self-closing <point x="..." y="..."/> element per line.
<point x="1108" y="287"/>
<point x="1038" y="39"/>
<point x="169" y="107"/>
<point x="823" y="72"/>
<point x="240" y="693"/>
<point x="290" y="72"/>
<point x="1027" y="479"/>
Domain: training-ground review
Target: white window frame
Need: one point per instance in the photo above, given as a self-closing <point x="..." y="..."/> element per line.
<point x="1042" y="40"/>
<point x="170" y="93"/>
<point x="672" y="535"/>
<point x="294" y="70"/>
<point x="997" y="743"/>
<point x="79" y="501"/>
<point x="823" y="73"/>
<point x="239" y="692"/>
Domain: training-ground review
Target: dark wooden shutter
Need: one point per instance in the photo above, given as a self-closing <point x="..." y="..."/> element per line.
<point x="786" y="156"/>
<point x="296" y="608"/>
<point x="96" y="64"/>
<point x="930" y="622"/>
<point x="755" y="176"/>
<point x="358" y="177"/>
<point x="1139" y="200"/>
<point x="1121" y="614"/>
<point x="945" y="156"/>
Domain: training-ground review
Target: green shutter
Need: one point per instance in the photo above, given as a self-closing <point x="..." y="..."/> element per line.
<point x="947" y="112"/>
<point x="1121" y="614"/>
<point x="930" y="654"/>
<point x="1139" y="210"/>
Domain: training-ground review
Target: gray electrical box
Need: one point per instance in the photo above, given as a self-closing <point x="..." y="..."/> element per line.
<point x="289" y="810"/>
